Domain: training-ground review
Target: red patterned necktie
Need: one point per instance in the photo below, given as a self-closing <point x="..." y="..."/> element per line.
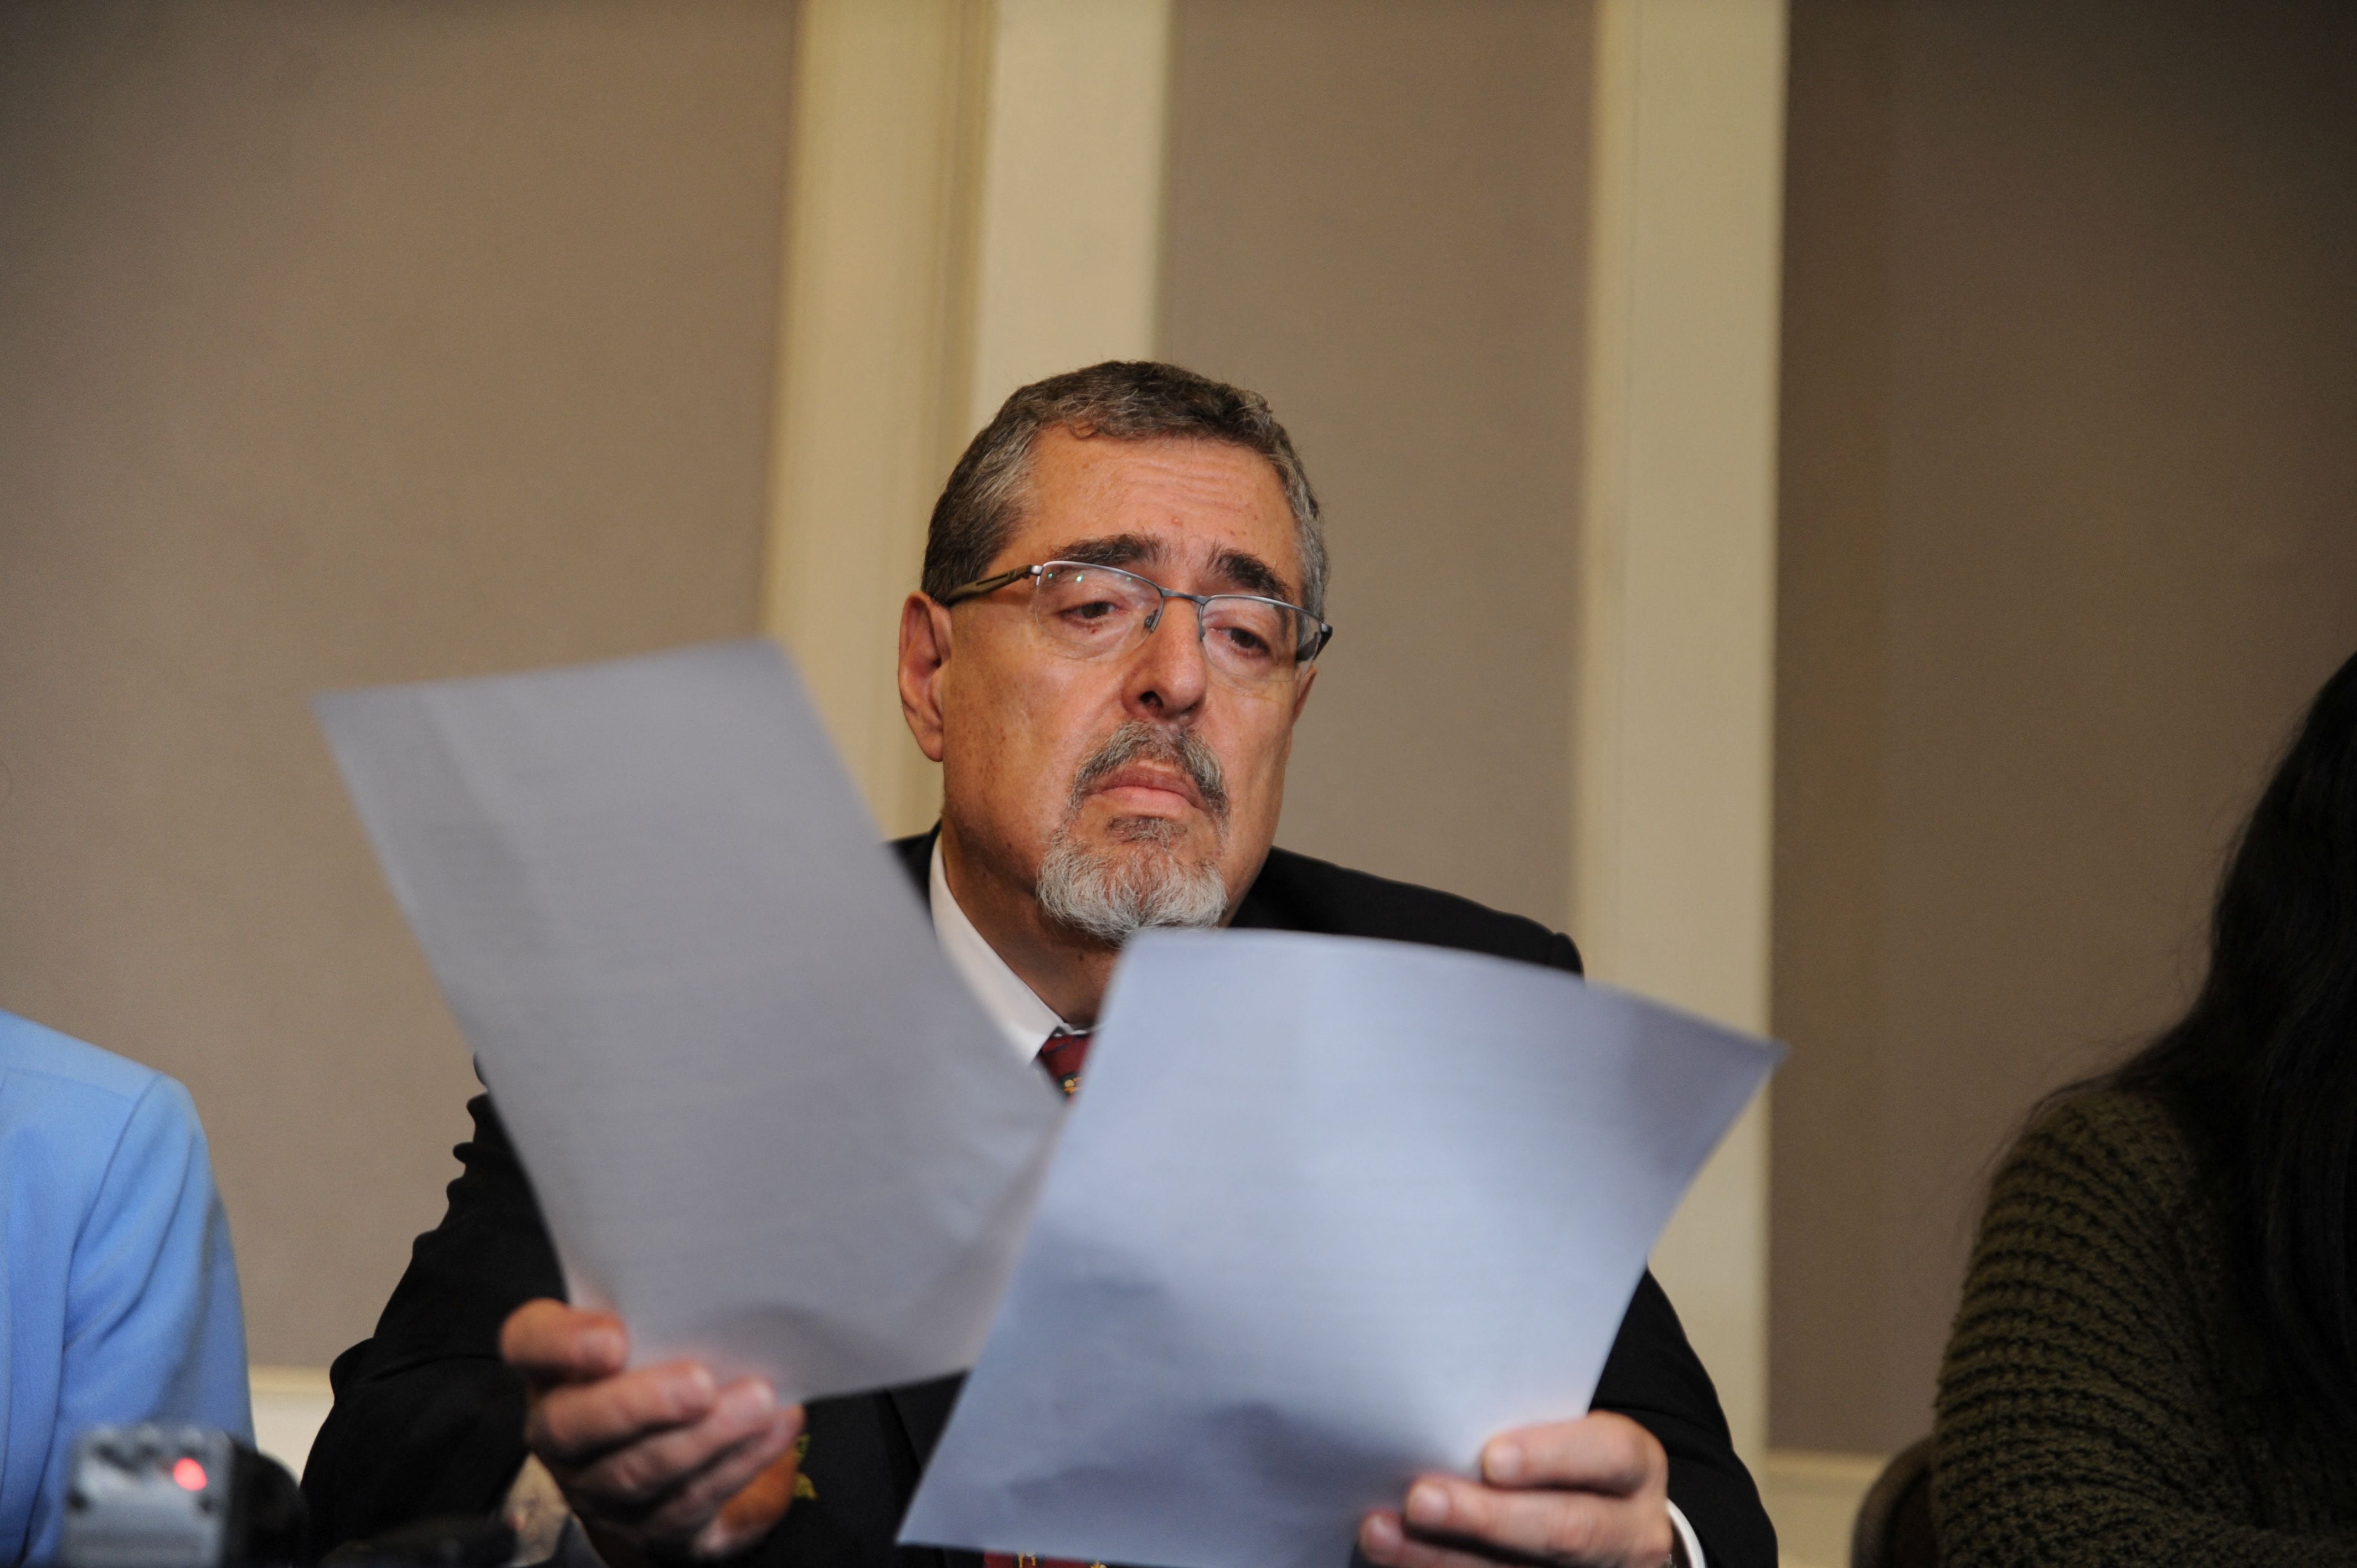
<point x="1060" y="1058"/>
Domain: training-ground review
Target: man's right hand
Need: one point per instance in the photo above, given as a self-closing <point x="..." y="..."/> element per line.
<point x="660" y="1462"/>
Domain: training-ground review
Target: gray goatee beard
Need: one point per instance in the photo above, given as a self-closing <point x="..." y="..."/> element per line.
<point x="1112" y="893"/>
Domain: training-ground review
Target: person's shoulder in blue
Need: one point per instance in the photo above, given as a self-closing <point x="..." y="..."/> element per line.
<point x="118" y="1295"/>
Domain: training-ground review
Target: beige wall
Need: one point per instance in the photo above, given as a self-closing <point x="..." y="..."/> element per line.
<point x="2069" y="533"/>
<point x="1375" y="218"/>
<point x="340" y="345"/>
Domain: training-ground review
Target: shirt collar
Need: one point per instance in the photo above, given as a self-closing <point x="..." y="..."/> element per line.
<point x="1021" y="1016"/>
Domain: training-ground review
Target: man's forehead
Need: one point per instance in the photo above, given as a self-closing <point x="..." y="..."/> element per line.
<point x="1171" y="504"/>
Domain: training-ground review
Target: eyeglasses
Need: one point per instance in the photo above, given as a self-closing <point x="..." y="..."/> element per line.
<point x="1095" y="612"/>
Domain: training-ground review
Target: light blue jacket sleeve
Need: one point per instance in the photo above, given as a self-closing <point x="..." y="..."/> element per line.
<point x="121" y="1300"/>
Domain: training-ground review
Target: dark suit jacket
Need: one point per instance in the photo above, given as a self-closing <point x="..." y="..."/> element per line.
<point x="428" y="1421"/>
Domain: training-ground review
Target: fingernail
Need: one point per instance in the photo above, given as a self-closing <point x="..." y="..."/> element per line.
<point x="1379" y="1536"/>
<point x="1502" y="1462"/>
<point x="604" y="1345"/>
<point x="693" y="1387"/>
<point x="751" y="1398"/>
<point x="1427" y="1505"/>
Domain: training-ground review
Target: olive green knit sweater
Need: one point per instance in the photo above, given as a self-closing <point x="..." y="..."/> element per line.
<point x="2103" y="1399"/>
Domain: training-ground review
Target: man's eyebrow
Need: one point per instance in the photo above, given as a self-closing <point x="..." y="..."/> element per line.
<point x="1239" y="570"/>
<point x="1113" y="550"/>
<point x="1252" y="574"/>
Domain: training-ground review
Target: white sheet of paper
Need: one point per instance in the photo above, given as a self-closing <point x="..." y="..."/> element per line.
<point x="1327" y="1213"/>
<point x="764" y="1119"/>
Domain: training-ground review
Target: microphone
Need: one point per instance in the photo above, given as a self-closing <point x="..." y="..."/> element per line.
<point x="158" y="1496"/>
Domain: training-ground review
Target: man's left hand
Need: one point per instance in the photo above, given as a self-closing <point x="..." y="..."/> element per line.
<point x="1588" y="1492"/>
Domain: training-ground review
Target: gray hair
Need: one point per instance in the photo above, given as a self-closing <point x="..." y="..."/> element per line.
<point x="1126" y="400"/>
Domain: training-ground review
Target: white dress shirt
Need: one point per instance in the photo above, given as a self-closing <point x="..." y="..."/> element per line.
<point x="1015" y="1007"/>
<point x="1026" y="1022"/>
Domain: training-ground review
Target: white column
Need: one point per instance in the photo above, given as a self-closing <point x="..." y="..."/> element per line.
<point x="1068" y="269"/>
<point x="873" y="346"/>
<point x="1672" y="758"/>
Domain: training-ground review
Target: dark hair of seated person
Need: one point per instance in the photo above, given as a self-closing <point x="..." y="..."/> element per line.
<point x="2261" y="1073"/>
<point x="2154" y="1359"/>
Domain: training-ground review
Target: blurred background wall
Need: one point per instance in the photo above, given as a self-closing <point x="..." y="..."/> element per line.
<point x="342" y="344"/>
<point x="352" y="342"/>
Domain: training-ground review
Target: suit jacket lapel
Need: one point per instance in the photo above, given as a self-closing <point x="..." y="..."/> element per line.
<point x="916" y="857"/>
<point x="923" y="1409"/>
<point x="1253" y="912"/>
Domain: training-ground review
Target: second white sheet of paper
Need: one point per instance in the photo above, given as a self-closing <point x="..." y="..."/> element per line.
<point x="1327" y="1213"/>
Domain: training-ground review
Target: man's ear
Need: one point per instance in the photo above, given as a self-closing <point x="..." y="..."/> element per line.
<point x="1301" y="693"/>
<point x="924" y="649"/>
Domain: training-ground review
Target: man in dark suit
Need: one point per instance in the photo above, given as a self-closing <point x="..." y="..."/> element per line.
<point x="1117" y="630"/>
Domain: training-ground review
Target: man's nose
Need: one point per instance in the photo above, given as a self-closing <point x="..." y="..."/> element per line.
<point x="1168" y="674"/>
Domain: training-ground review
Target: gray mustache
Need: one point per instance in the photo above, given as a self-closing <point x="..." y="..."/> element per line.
<point x="1138" y="741"/>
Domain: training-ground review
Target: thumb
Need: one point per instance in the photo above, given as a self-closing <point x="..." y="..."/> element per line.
<point x="761" y="1503"/>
